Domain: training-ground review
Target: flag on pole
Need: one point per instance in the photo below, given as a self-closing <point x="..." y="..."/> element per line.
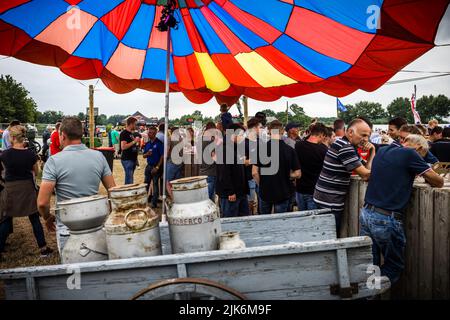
<point x="413" y="108"/>
<point x="340" y="106"/>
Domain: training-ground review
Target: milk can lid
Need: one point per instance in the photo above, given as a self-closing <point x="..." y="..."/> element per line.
<point x="127" y="187"/>
<point x="190" y="183"/>
<point x="82" y="200"/>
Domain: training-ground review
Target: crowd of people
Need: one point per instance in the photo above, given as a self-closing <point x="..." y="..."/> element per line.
<point x="260" y="168"/>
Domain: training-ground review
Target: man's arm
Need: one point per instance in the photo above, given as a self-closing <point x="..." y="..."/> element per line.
<point x="36" y="168"/>
<point x="43" y="203"/>
<point x="255" y="174"/>
<point x="108" y="182"/>
<point x="124" y="145"/>
<point x="372" y="152"/>
<point x="363" y="172"/>
<point x="433" y="179"/>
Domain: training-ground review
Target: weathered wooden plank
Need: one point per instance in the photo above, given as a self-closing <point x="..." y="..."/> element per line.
<point x="32" y="291"/>
<point x="342" y="269"/>
<point x="273" y="229"/>
<point x="411" y="277"/>
<point x="284" y="270"/>
<point x="182" y="270"/>
<point x="426" y="243"/>
<point x="344" y="231"/>
<point x="15" y="289"/>
<point x="441" y="263"/>
<point x="217" y="255"/>
<point x="353" y="204"/>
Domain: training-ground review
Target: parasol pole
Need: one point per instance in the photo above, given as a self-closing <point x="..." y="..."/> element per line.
<point x="91" y="117"/>
<point x="166" y="125"/>
<point x="245" y="103"/>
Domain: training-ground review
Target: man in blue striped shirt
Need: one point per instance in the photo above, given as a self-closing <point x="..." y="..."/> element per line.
<point x="340" y="161"/>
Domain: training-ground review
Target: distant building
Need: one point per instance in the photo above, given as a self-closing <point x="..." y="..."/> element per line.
<point x="142" y="120"/>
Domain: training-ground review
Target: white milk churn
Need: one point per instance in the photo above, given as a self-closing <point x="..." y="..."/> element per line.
<point x="132" y="229"/>
<point x="85" y="246"/>
<point x="231" y="240"/>
<point x="194" y="221"/>
<point x="135" y="234"/>
<point x="84" y="217"/>
<point x="83" y="213"/>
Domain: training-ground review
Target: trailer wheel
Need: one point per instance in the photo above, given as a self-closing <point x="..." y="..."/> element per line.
<point x="188" y="289"/>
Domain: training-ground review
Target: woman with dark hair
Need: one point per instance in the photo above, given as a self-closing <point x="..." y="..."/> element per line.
<point x="19" y="194"/>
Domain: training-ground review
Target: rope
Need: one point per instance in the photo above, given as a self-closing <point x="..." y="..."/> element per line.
<point x="417" y="79"/>
<point x="420" y="71"/>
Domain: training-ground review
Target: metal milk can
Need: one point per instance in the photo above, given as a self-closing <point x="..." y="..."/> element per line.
<point x="132" y="229"/>
<point x="127" y="197"/>
<point x="84" y="213"/>
<point x="194" y="221"/>
<point x="84" y="246"/>
<point x="231" y="240"/>
<point x="135" y="234"/>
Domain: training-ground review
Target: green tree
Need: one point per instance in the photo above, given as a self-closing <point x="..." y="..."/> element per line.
<point x="50" y="116"/>
<point x="269" y="112"/>
<point x="115" y="119"/>
<point x="15" y="102"/>
<point x="400" y="107"/>
<point x="81" y="116"/>
<point x="101" y="120"/>
<point x="430" y="107"/>
<point x="371" y="110"/>
<point x="298" y="115"/>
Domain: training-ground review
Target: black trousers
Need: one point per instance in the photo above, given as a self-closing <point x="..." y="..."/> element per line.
<point x="6" y="226"/>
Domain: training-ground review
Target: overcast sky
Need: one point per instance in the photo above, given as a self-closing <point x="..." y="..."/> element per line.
<point x="52" y="90"/>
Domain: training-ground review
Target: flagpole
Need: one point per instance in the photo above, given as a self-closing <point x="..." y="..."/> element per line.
<point x="166" y="125"/>
<point x="337" y="107"/>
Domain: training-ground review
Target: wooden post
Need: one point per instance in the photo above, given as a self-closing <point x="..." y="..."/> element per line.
<point x="287" y="112"/>
<point x="353" y="204"/>
<point x="426" y="243"/>
<point x="91" y="117"/>
<point x="441" y="278"/>
<point x="245" y="103"/>
<point x="411" y="277"/>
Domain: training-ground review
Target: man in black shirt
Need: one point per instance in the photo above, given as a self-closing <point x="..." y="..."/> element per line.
<point x="276" y="189"/>
<point x="232" y="184"/>
<point x="441" y="147"/>
<point x="129" y="144"/>
<point x="310" y="153"/>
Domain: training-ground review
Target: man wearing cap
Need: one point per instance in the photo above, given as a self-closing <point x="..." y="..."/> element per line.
<point x="292" y="134"/>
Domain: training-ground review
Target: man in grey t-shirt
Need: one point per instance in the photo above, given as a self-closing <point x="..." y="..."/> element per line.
<point x="73" y="173"/>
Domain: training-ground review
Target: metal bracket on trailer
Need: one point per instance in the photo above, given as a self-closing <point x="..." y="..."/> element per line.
<point x="344" y="293"/>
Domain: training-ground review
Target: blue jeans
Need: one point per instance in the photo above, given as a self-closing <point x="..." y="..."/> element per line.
<point x="388" y="239"/>
<point x="211" y="187"/>
<point x="129" y="166"/>
<point x="305" y="201"/>
<point x="252" y="186"/>
<point x="5" y="228"/>
<point x="265" y="207"/>
<point x="238" y="208"/>
<point x="173" y="171"/>
<point x="155" y="182"/>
